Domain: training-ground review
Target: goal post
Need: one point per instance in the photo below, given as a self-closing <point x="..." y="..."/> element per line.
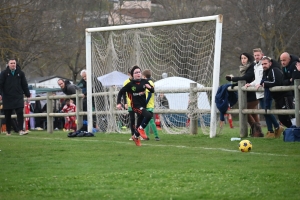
<point x="190" y="48"/>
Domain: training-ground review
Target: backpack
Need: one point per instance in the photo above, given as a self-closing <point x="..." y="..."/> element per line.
<point x="80" y="134"/>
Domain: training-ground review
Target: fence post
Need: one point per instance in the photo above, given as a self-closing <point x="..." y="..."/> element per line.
<point x="79" y="107"/>
<point x="297" y="101"/>
<point x="192" y="109"/>
<point x="242" y="97"/>
<point x="49" y="110"/>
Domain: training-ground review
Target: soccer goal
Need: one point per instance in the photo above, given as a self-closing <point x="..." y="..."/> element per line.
<point x="178" y="52"/>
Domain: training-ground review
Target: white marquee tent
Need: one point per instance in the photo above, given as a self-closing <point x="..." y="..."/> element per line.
<point x="114" y="78"/>
<point x="180" y="100"/>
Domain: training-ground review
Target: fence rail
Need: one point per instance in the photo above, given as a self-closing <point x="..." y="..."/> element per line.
<point x="242" y="111"/>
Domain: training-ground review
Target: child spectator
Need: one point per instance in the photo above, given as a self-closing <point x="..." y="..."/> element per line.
<point x="70" y="121"/>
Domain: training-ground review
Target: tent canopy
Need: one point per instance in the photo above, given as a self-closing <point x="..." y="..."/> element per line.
<point x="180" y="100"/>
<point x="114" y="78"/>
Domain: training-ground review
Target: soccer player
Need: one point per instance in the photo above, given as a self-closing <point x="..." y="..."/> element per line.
<point x="136" y="93"/>
<point x="150" y="105"/>
<point x="128" y="106"/>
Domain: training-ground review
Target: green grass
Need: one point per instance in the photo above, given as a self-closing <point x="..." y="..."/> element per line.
<point x="109" y="166"/>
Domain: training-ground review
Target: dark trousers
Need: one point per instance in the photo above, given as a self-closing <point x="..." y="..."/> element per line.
<point x="285" y="103"/>
<point x="144" y="116"/>
<point x="132" y="121"/>
<point x="20" y="118"/>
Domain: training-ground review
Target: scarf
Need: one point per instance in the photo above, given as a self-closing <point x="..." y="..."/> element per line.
<point x="243" y="68"/>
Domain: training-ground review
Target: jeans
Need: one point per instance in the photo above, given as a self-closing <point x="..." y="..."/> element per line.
<point x="270" y="119"/>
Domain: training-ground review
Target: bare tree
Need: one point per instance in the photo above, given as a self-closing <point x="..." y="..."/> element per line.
<point x="72" y="18"/>
<point x="182" y="9"/>
<point x="24" y="35"/>
<point x="272" y="25"/>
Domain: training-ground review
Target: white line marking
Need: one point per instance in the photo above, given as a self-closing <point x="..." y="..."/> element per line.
<point x="161" y="145"/>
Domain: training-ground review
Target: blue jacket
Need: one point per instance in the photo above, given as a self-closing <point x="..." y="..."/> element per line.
<point x="225" y="99"/>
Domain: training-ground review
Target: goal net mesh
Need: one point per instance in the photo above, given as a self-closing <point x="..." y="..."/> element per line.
<point x="176" y="55"/>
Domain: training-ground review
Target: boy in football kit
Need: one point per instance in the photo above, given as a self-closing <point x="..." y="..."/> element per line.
<point x="150" y="105"/>
<point x="136" y="93"/>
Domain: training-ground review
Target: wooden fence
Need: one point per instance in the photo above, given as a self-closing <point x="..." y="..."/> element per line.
<point x="242" y="111"/>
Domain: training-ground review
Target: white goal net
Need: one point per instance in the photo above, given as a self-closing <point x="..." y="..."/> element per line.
<point x="178" y="53"/>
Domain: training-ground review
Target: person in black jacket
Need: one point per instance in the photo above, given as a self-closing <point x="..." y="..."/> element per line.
<point x="288" y="63"/>
<point x="273" y="76"/>
<point x="296" y="74"/>
<point x="13" y="86"/>
<point x="37" y="108"/>
<point x="136" y="93"/>
<point x="247" y="74"/>
<point x="68" y="88"/>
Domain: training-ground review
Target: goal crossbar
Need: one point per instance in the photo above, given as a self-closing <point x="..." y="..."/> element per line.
<point x="154" y="24"/>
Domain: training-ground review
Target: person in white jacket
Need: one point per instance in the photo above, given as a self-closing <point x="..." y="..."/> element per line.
<point x="270" y="119"/>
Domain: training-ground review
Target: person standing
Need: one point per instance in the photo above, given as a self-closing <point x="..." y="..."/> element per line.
<point x="150" y="105"/>
<point x="13" y="86"/>
<point x="270" y="118"/>
<point x="273" y="76"/>
<point x="163" y="101"/>
<point x="136" y="92"/>
<point x="247" y="74"/>
<point x="288" y="63"/>
<point x="82" y="82"/>
<point x="296" y="74"/>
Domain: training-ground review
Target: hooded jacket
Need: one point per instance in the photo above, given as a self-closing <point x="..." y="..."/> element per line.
<point x="289" y="69"/>
<point x="225" y="99"/>
<point x="13" y="88"/>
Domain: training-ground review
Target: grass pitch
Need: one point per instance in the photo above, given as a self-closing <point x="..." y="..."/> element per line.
<point x="109" y="166"/>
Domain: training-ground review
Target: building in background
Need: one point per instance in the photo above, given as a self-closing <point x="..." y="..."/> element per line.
<point x="130" y="12"/>
<point x="44" y="82"/>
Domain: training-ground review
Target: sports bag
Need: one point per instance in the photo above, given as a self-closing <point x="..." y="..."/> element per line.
<point x="291" y="134"/>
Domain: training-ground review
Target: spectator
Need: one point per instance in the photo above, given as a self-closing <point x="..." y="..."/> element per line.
<point x="296" y="73"/>
<point x="14" y="123"/>
<point x="69" y="120"/>
<point x="288" y="63"/>
<point x="150" y="105"/>
<point x="68" y="88"/>
<point x="37" y="108"/>
<point x="101" y="105"/>
<point x="13" y="86"/>
<point x="82" y="85"/>
<point x="283" y="100"/>
<point x="136" y="92"/>
<point x="98" y="85"/>
<point x="258" y="71"/>
<point x="82" y="82"/>
<point x="162" y="101"/>
<point x="247" y="74"/>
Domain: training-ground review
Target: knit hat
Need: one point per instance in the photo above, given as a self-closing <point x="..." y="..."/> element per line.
<point x="134" y="68"/>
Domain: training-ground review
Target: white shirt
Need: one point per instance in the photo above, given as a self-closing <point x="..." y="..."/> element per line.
<point x="258" y="73"/>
